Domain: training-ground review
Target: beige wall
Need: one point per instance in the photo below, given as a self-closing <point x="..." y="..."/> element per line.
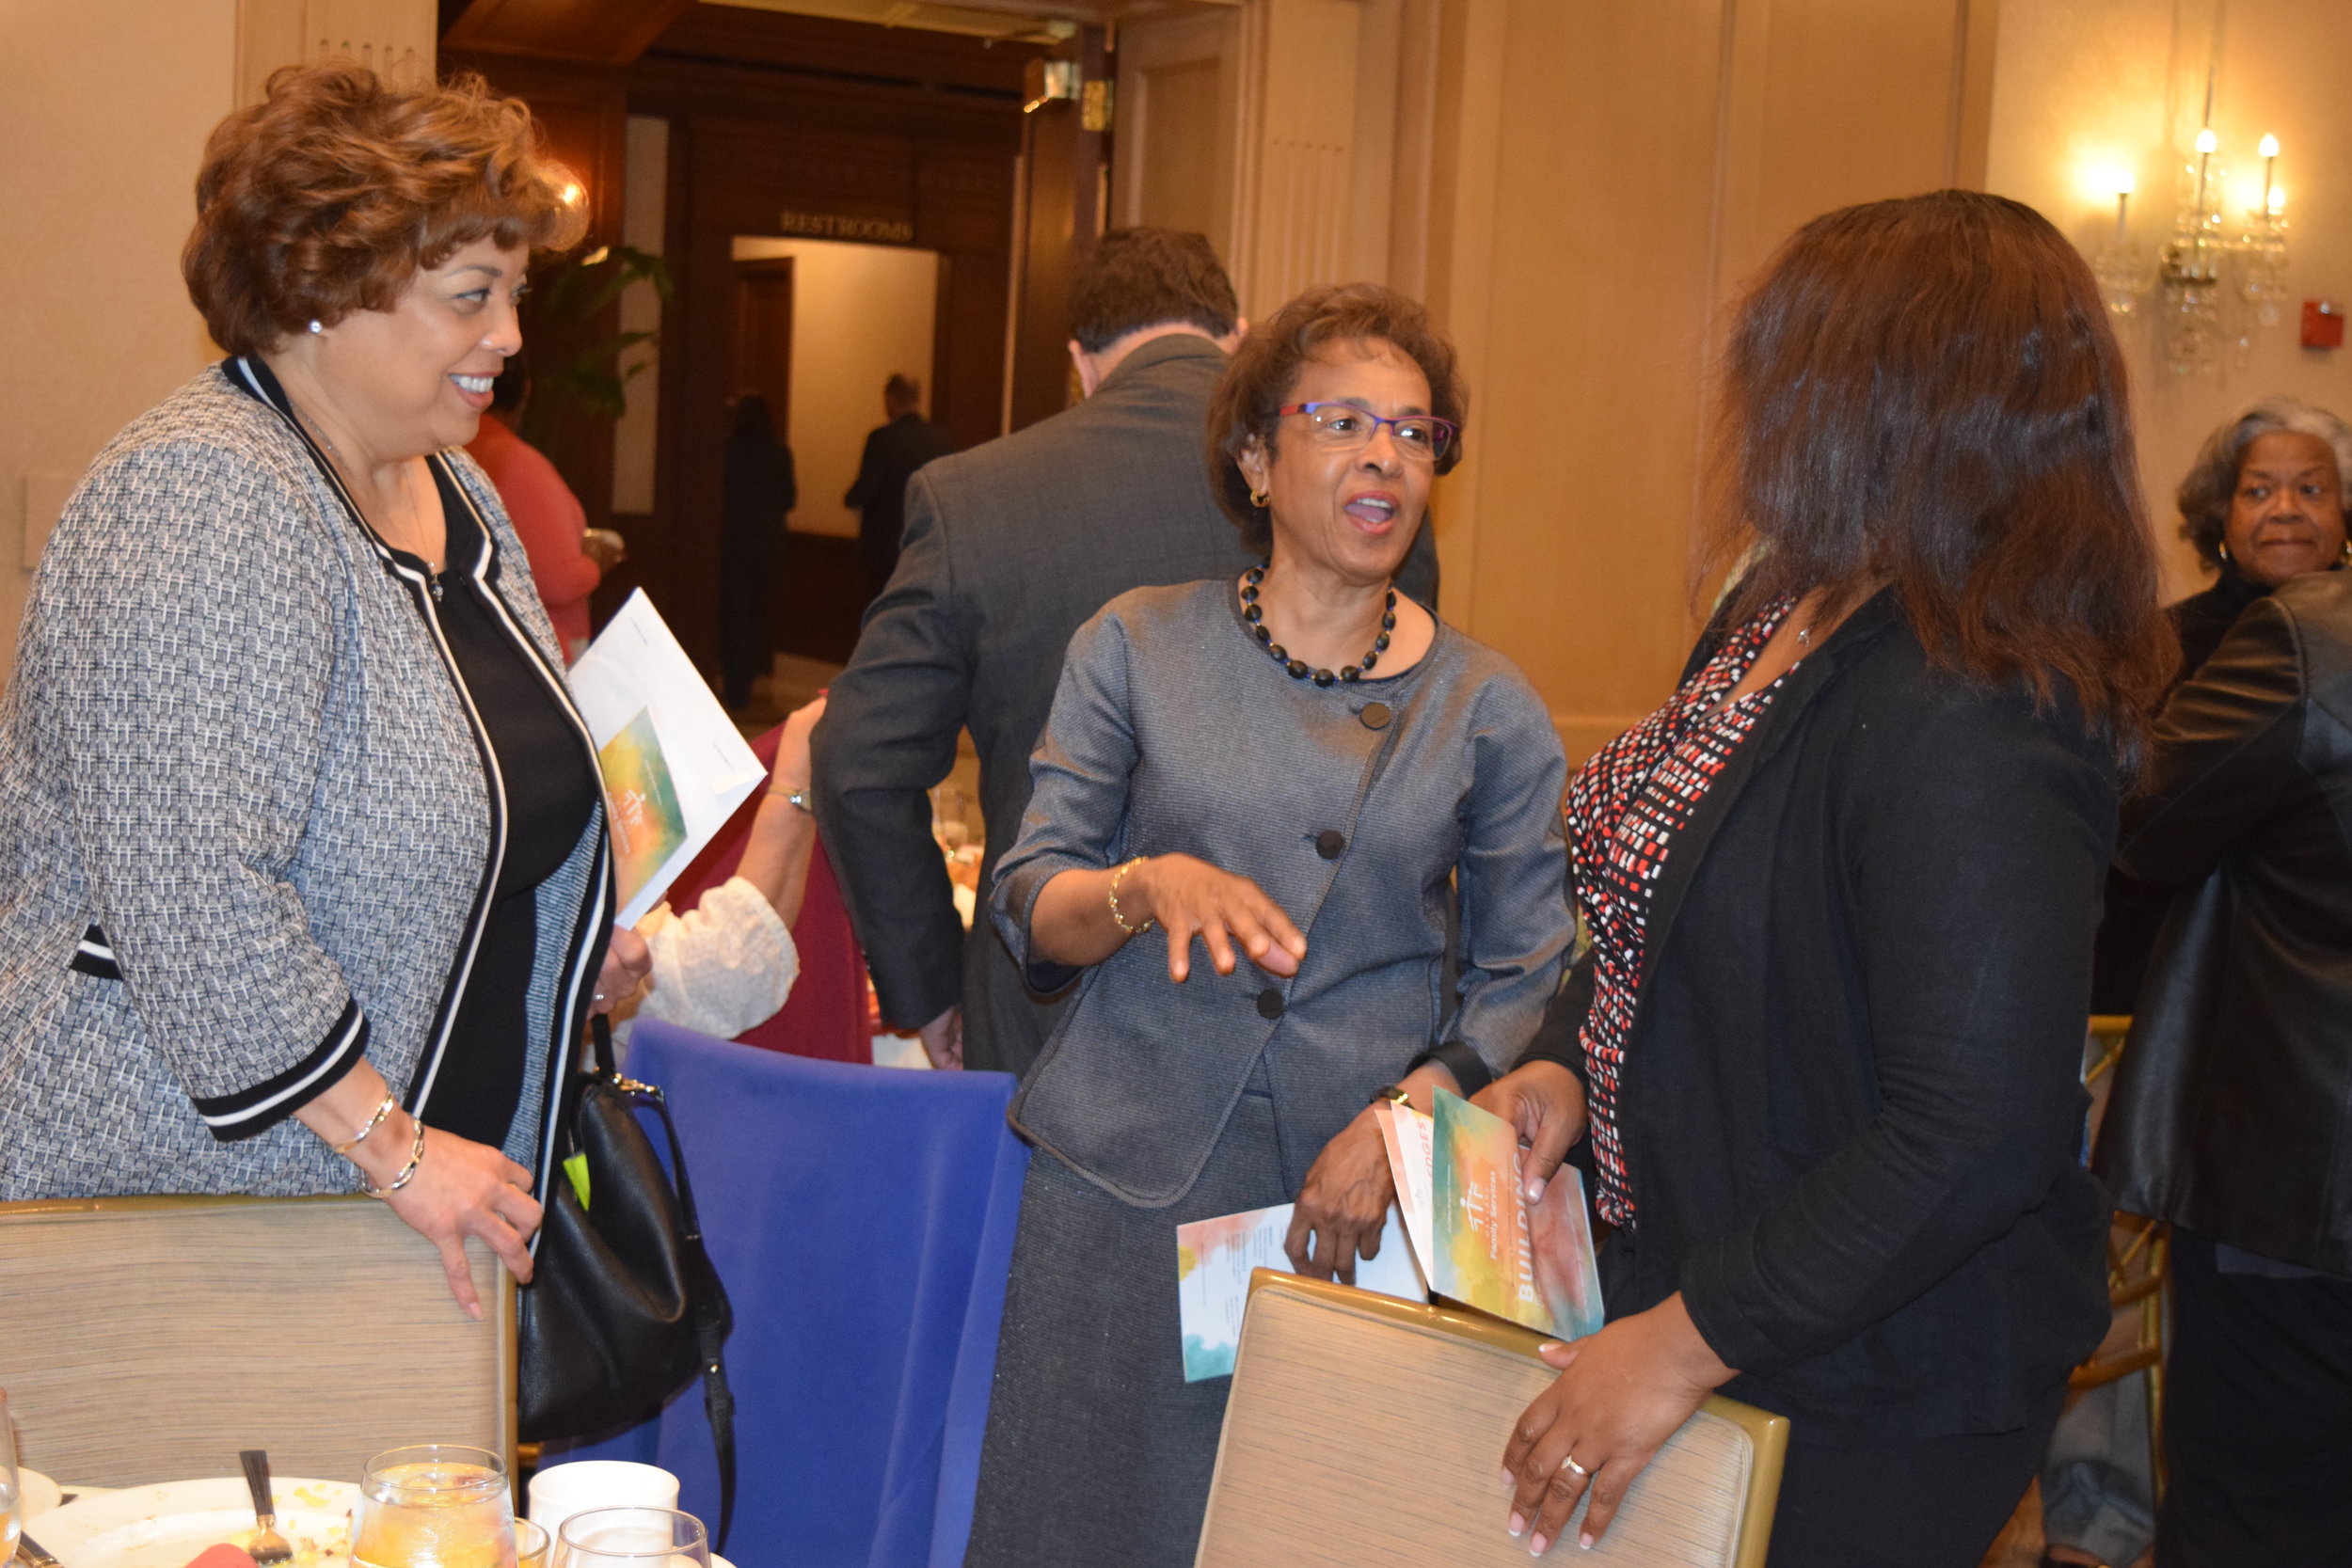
<point x="1579" y="187"/>
<point x="104" y="112"/>
<point x="2088" y="86"/>
<point x="1606" y="175"/>
<point x="859" y="313"/>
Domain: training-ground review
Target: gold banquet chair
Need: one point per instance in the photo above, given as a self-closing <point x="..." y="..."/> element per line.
<point x="149" y="1339"/>
<point x="2139" y="1265"/>
<point x="1368" y="1432"/>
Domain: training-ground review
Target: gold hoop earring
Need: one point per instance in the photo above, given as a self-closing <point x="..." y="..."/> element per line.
<point x="1258" y="500"/>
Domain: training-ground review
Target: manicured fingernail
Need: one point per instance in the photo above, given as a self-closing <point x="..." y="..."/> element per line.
<point x="1508" y="1477"/>
<point x="1583" y="1543"/>
<point x="1534" y="1190"/>
<point x="1518" y="1525"/>
<point x="1535" y="1548"/>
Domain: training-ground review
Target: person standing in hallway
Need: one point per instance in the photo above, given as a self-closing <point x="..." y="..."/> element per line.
<point x="1009" y="549"/>
<point x="567" y="557"/>
<point x="760" y="491"/>
<point x="892" y="451"/>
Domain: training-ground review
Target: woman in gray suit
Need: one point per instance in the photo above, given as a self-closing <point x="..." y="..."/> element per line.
<point x="306" y="882"/>
<point x="1289" y="773"/>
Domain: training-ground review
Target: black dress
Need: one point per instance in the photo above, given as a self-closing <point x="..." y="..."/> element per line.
<point x="549" y="792"/>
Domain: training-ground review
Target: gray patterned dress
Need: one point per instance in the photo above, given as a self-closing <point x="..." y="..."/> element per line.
<point x="1358" y="808"/>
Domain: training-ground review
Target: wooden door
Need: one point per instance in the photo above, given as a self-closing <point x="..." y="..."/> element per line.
<point x="763" y="336"/>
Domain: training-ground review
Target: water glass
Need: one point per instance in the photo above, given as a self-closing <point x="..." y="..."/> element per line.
<point x="632" y="1538"/>
<point x="433" y="1506"/>
<point x="530" y="1544"/>
<point x="11" y="1492"/>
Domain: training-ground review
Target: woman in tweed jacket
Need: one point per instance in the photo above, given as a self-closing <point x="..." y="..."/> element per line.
<point x="303" y="878"/>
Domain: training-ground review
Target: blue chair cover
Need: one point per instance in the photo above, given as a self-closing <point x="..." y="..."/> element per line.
<point x="862" y="1220"/>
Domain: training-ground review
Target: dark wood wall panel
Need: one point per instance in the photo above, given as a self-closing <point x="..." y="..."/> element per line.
<point x="771" y="113"/>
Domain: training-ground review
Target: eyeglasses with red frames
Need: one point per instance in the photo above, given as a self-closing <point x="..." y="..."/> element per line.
<point x="1346" y="427"/>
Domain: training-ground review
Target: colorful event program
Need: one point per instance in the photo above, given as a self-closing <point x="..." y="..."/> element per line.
<point x="1493" y="1252"/>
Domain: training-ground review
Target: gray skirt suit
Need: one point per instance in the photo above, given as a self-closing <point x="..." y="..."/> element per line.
<point x="1362" y="809"/>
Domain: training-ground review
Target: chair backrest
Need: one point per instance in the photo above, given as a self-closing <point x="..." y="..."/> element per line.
<point x="149" y="1339"/>
<point x="1368" y="1432"/>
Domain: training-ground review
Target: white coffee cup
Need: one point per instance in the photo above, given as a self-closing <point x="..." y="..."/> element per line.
<point x="561" y="1491"/>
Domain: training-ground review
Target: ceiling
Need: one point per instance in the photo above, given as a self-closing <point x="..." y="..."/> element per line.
<point x="615" y="32"/>
<point x="1025" y="19"/>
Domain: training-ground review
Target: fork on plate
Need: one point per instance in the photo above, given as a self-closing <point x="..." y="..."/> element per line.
<point x="269" y="1548"/>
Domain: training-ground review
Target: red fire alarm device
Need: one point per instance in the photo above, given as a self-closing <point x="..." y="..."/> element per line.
<point x="2323" y="323"/>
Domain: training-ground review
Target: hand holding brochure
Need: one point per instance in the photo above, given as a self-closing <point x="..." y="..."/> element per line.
<point x="1492" y="1251"/>
<point x="674" y="767"/>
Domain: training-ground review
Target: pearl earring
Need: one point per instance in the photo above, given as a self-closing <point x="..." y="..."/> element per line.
<point x="314" y="325"/>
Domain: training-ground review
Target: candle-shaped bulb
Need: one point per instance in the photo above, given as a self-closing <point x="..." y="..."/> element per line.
<point x="2206" y="140"/>
<point x="2122" y="183"/>
<point x="2268" y="147"/>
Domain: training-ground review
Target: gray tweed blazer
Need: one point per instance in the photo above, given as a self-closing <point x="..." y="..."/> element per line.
<point x="1352" y="806"/>
<point x="245" y="830"/>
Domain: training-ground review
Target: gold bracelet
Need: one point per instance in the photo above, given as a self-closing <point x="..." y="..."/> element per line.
<point x="1119" y="919"/>
<point x="407" y="1172"/>
<point x="384" y="1108"/>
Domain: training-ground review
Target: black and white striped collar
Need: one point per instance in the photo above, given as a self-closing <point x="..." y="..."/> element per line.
<point x="252" y="376"/>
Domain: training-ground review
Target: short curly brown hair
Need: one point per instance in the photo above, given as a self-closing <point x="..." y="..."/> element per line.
<point x="1265" y="367"/>
<point x="335" y="191"/>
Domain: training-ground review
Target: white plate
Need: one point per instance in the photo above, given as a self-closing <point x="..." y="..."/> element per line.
<point x="166" y="1525"/>
<point x="36" y="1491"/>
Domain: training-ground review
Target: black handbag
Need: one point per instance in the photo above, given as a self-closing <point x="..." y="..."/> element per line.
<point x="623" y="1310"/>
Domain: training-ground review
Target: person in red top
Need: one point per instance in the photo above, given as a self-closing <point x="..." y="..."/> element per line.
<point x="567" y="557"/>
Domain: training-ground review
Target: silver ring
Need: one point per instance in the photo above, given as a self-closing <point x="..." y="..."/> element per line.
<point x="1570" y="1463"/>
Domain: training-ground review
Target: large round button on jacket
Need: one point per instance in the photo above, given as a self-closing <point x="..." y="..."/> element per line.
<point x="1269" y="1002"/>
<point x="1329" y="842"/>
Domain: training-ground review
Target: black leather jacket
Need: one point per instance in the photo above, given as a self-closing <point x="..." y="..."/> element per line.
<point x="2233" y="1111"/>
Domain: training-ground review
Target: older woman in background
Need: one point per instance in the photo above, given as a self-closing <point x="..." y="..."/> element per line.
<point x="305" y="878"/>
<point x="2232" y="1109"/>
<point x="1832" y="1049"/>
<point x="1279" y="775"/>
<point x="2263" y="504"/>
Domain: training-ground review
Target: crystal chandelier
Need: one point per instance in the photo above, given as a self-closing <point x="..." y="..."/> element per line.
<point x="2218" y="277"/>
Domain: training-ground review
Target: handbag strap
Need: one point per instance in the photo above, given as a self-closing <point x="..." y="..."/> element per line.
<point x="712" y="1318"/>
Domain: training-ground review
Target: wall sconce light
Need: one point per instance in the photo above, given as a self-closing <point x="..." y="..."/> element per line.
<point x="2217" y="279"/>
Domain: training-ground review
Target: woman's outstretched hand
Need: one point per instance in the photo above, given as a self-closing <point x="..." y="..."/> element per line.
<point x="1620" y="1394"/>
<point x="1189" y="898"/>
<point x="1544" y="1100"/>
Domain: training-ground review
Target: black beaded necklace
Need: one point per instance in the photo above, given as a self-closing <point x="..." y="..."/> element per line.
<point x="1296" y="668"/>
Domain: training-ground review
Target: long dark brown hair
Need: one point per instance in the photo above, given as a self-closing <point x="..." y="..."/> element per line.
<point x="1924" y="393"/>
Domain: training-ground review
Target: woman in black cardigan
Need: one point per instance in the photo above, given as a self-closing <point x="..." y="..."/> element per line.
<point x="1841" y="891"/>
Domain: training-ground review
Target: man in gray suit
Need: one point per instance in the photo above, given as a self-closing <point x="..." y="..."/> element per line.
<point x="1009" y="549"/>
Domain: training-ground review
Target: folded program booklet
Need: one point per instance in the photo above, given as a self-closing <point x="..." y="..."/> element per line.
<point x="674" y="767"/>
<point x="1458" y="1228"/>
<point x="1489" y="1248"/>
<point x="1213" y="1263"/>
